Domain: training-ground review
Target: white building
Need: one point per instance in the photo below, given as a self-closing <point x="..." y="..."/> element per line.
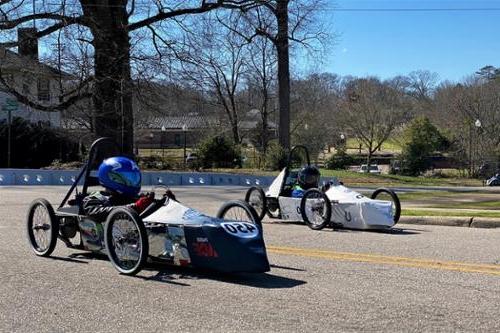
<point x="38" y="82"/>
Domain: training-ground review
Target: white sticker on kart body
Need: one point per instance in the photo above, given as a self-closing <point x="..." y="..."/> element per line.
<point x="241" y="229"/>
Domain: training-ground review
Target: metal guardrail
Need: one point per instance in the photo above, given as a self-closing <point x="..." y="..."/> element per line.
<point x="10" y="177"/>
<point x="33" y="177"/>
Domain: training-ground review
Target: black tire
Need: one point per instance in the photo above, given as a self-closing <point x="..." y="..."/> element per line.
<point x="137" y="229"/>
<point x="323" y="219"/>
<point x="273" y="208"/>
<point x="41" y="218"/>
<point x="396" y="209"/>
<point x="257" y="199"/>
<point x="238" y="210"/>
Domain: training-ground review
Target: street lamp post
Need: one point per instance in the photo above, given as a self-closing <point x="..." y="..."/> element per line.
<point x="342" y="139"/>
<point x="151" y="136"/>
<point x="478" y="125"/>
<point x="473" y="146"/>
<point x="184" y="130"/>
<point x="163" y="130"/>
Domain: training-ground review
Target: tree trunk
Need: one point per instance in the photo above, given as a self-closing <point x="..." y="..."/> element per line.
<point x="112" y="98"/>
<point x="283" y="73"/>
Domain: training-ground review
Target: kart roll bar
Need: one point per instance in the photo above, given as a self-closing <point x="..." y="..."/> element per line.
<point x="296" y="148"/>
<point x="93" y="158"/>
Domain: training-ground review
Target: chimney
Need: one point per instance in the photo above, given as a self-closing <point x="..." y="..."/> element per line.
<point x="28" y="44"/>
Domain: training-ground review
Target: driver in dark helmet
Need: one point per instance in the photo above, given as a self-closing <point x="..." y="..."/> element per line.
<point x="121" y="178"/>
<point x="307" y="178"/>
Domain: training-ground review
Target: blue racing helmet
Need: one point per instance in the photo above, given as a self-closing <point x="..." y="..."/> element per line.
<point x="121" y="175"/>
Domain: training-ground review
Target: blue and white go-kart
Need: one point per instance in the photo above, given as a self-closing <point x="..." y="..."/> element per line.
<point x="333" y="204"/>
<point x="167" y="231"/>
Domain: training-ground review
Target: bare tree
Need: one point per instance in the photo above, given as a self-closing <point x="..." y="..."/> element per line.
<point x="261" y="85"/>
<point x="215" y="60"/>
<point x="470" y="111"/>
<point x="282" y="22"/>
<point x="315" y="112"/>
<point x="372" y="111"/>
<point x="110" y="26"/>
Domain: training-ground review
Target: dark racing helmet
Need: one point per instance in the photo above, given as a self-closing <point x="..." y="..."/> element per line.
<point x="121" y="175"/>
<point x="308" y="177"/>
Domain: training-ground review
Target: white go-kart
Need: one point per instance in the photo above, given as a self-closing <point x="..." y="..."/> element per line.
<point x="333" y="204"/>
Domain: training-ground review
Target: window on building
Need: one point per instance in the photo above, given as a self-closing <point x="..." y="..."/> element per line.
<point x="26" y="88"/>
<point x="177" y="139"/>
<point x="43" y="89"/>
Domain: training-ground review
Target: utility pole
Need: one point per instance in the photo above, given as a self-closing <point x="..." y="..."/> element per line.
<point x="9" y="135"/>
<point x="9" y="106"/>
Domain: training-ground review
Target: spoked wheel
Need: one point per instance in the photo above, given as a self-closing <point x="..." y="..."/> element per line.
<point x="257" y="199"/>
<point x="237" y="210"/>
<point x="389" y="195"/>
<point x="273" y="208"/>
<point x="126" y="241"/>
<point x="43" y="227"/>
<point x="315" y="209"/>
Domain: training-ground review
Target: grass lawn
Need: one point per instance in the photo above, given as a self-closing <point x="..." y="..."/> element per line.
<point x="389" y="146"/>
<point x="356" y="178"/>
<point x="456" y="213"/>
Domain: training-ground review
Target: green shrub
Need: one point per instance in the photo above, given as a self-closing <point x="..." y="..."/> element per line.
<point x="154" y="162"/>
<point x="422" y="139"/>
<point x="35" y="145"/>
<point x="340" y="160"/>
<point x="276" y="157"/>
<point x="218" y="152"/>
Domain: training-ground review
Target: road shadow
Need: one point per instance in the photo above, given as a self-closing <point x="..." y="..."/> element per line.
<point x="178" y="276"/>
<point x="288" y="268"/>
<point x="391" y="231"/>
<point x="89" y="256"/>
<point x="340" y="228"/>
<point x="69" y="259"/>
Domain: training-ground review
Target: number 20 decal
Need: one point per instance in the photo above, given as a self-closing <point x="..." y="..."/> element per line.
<point x="241" y="229"/>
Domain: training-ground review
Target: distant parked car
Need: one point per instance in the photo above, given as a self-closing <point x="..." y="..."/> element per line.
<point x="373" y="169"/>
<point x="191" y="157"/>
<point x="493" y="181"/>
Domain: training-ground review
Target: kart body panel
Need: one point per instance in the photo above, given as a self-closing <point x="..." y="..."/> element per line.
<point x="182" y="236"/>
<point x="354" y="210"/>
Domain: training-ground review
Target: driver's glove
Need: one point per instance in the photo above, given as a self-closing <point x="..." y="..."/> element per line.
<point x="143" y="202"/>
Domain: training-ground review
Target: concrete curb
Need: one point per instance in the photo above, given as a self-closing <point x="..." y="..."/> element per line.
<point x="451" y="221"/>
<point x="482" y="222"/>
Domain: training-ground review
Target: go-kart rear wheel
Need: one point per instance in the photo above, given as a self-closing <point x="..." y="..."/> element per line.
<point x="42" y="227"/>
<point x="315" y="209"/>
<point x="273" y="208"/>
<point x="257" y="199"/>
<point x="389" y="195"/>
<point x="237" y="210"/>
<point x="126" y="241"/>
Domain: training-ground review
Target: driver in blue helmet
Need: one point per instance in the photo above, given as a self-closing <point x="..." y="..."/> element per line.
<point x="307" y="178"/>
<point x="121" y="179"/>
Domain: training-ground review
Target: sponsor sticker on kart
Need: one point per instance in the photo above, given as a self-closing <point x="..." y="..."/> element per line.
<point x="241" y="229"/>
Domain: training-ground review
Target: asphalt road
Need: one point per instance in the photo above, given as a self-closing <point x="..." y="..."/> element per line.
<point x="411" y="279"/>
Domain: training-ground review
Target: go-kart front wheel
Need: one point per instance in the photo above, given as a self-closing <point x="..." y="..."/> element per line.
<point x="389" y="195"/>
<point x="237" y="210"/>
<point x="42" y="227"/>
<point x="315" y="209"/>
<point x="257" y="199"/>
<point x="126" y="241"/>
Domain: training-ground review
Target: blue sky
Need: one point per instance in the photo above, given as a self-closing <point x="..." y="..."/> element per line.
<point x="453" y="44"/>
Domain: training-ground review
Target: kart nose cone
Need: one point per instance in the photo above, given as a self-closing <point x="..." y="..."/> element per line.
<point x="214" y="247"/>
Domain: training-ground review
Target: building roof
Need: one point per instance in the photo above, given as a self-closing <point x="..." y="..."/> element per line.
<point x="12" y="62"/>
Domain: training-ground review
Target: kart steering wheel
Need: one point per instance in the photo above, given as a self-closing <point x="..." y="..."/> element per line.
<point x="157" y="203"/>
